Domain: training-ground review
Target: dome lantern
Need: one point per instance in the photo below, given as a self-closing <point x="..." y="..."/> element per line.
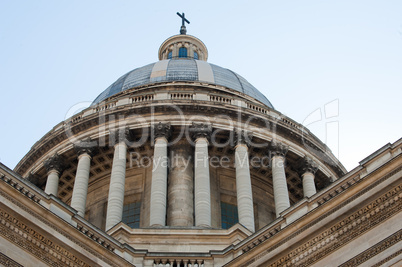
<point x="183" y="46"/>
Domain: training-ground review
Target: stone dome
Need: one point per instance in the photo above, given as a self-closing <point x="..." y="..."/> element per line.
<point x="182" y="70"/>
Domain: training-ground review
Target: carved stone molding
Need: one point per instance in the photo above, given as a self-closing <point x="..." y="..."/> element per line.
<point x="307" y="164"/>
<point x="200" y="130"/>
<point x="35" y="243"/>
<point x="55" y="162"/>
<point x="162" y="130"/>
<point x="335" y="191"/>
<point x="62" y="231"/>
<point x="278" y="149"/>
<point x="375" y="250"/>
<point x="242" y="137"/>
<point x="343" y="231"/>
<point x="6" y="261"/>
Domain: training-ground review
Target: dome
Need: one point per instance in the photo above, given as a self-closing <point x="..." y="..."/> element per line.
<point x="182" y="70"/>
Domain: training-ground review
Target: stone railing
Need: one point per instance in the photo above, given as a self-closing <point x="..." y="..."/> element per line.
<point x="257" y="108"/>
<point x="142" y="98"/>
<point x="105" y="106"/>
<point x="76" y="118"/>
<point x="181" y="96"/>
<point x="220" y="99"/>
<point x="291" y="123"/>
<point x="178" y="263"/>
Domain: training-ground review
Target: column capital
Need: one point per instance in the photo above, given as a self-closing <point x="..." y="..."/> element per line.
<point x="119" y="135"/>
<point x="242" y="137"/>
<point x="85" y="146"/>
<point x="278" y="149"/>
<point x="55" y="162"/>
<point x="307" y="164"/>
<point x="200" y="130"/>
<point x="162" y="130"/>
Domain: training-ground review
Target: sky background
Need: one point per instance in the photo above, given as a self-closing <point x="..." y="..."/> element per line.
<point x="335" y="66"/>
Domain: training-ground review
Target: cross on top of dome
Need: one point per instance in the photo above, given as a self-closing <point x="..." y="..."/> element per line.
<point x="183" y="29"/>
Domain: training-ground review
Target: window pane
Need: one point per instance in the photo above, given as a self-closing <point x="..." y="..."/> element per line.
<point x="183" y="52"/>
<point x="170" y="55"/>
<point x="229" y="215"/>
<point x="195" y="55"/>
<point x="131" y="214"/>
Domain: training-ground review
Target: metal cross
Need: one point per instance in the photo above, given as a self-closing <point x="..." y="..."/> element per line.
<point x="183" y="19"/>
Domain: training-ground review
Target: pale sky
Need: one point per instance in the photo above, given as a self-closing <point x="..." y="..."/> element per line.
<point x="341" y="59"/>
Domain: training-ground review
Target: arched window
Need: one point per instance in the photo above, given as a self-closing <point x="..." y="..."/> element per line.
<point x="183" y="52"/>
<point x="195" y="55"/>
<point x="170" y="55"/>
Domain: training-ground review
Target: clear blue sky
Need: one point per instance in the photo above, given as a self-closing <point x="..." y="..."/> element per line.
<point x="301" y="54"/>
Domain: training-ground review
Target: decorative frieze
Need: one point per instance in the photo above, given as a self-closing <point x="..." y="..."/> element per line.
<point x="43" y="219"/>
<point x="35" y="243"/>
<point x="6" y="261"/>
<point x="319" y="219"/>
<point x="375" y="250"/>
<point x="345" y="231"/>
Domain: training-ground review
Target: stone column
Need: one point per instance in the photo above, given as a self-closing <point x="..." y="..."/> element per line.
<point x="202" y="192"/>
<point x="307" y="170"/>
<point x="79" y="198"/>
<point x="117" y="182"/>
<point x="243" y="181"/>
<point x="281" y="194"/>
<point x="54" y="166"/>
<point x="162" y="133"/>
<point x="180" y="210"/>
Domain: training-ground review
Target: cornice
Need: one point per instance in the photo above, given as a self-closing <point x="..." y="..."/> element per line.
<point x="268" y="233"/>
<point x="41" y="210"/>
<point x="74" y="129"/>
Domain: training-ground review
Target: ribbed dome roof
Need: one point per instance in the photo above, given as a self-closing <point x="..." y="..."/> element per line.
<point x="182" y="70"/>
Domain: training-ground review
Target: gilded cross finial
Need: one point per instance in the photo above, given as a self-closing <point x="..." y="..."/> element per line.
<point x="183" y="29"/>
